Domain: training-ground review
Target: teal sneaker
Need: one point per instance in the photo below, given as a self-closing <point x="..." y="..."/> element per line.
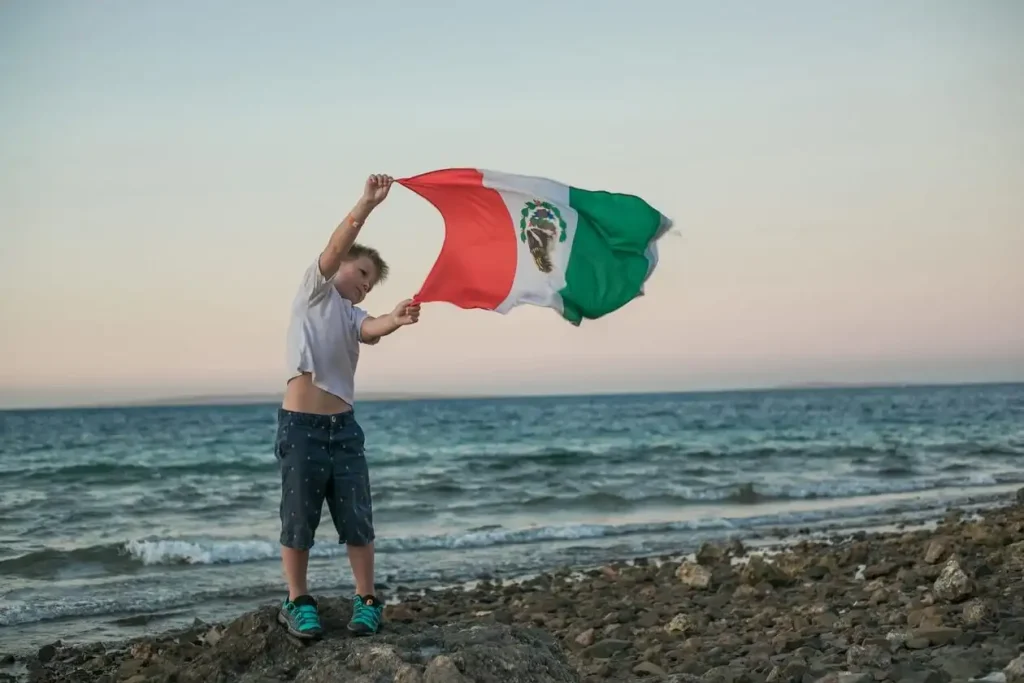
<point x="367" y="615"/>
<point x="300" y="617"/>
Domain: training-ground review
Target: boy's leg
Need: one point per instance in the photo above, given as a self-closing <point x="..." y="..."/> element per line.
<point x="296" y="566"/>
<point x="361" y="559"/>
<point x="352" y="511"/>
<point x="302" y="453"/>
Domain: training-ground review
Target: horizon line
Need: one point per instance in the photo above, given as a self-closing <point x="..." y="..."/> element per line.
<point x="270" y="398"/>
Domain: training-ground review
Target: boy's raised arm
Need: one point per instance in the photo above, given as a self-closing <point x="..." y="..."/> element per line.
<point x="405" y="313"/>
<point x="344" y="236"/>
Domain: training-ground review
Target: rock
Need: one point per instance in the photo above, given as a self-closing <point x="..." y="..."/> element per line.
<point x="408" y="674"/>
<point x="719" y="674"/>
<point x="648" y="619"/>
<point x="443" y="670"/>
<point x="585" y="639"/>
<point x="1014" y="671"/>
<point x="881" y="569"/>
<point x="618" y="632"/>
<point x="896" y="639"/>
<point x="130" y="667"/>
<point x="937" y="550"/>
<point x="6" y="660"/>
<point x="694" y="575"/>
<point x="918" y="643"/>
<point x="847" y="677"/>
<point x="921" y="676"/>
<point x="420" y="653"/>
<point x="606" y="648"/>
<point x="937" y="635"/>
<point x="399" y="612"/>
<point x="744" y="591"/>
<point x="817" y="572"/>
<point x="680" y="623"/>
<point x="213" y="636"/>
<point x="927" y="616"/>
<point x="963" y="668"/>
<point x="868" y="657"/>
<point x="758" y="571"/>
<point x="648" y="669"/>
<point x="46" y="653"/>
<point x="711" y="554"/>
<point x="975" y="612"/>
<point x="953" y="584"/>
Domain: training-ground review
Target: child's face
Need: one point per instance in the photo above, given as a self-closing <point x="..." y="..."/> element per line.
<point x="356" y="278"/>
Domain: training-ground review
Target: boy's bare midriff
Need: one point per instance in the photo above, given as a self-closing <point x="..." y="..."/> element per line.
<point x="302" y="396"/>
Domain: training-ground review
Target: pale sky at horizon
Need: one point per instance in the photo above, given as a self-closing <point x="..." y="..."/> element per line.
<point x="846" y="180"/>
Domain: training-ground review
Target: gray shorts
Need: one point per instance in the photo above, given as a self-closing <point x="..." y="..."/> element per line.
<point x="321" y="458"/>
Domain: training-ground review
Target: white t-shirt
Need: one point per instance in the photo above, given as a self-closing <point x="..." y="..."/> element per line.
<point x="324" y="336"/>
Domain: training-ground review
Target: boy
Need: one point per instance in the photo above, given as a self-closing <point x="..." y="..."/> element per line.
<point x="319" y="444"/>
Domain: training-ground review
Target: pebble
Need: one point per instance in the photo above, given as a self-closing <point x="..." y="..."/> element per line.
<point x="694" y="575"/>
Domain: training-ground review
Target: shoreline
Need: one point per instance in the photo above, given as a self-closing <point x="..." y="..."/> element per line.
<point x="888" y="513"/>
<point x="923" y="604"/>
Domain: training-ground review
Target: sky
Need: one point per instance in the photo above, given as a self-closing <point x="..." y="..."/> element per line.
<point x="845" y="179"/>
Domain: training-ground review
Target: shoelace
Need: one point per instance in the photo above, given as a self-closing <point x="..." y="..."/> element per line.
<point x="368" y="615"/>
<point x="306" y="617"/>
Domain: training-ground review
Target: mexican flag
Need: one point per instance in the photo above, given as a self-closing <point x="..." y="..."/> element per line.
<point x="515" y="239"/>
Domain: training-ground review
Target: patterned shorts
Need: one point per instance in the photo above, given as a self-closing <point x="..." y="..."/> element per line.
<point x="321" y="458"/>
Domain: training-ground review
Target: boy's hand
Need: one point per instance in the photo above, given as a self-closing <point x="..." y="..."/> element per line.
<point x="376" y="189"/>
<point x="406" y="313"/>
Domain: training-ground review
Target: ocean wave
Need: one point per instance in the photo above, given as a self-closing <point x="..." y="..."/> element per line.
<point x="505" y="457"/>
<point x="665" y="494"/>
<point x="49" y="561"/>
<point x="174" y="551"/>
<point x="16" y="612"/>
<point x="126" y="473"/>
<point x="210" y="551"/>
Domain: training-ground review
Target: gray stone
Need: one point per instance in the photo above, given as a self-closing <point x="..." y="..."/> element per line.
<point x="936" y="550"/>
<point x="1014" y="671"/>
<point x="860" y="657"/>
<point x="443" y="670"/>
<point x="953" y="584"/>
<point x="937" y="635"/>
<point x="648" y="669"/>
<point x="606" y="648"/>
<point x="695" y="575"/>
<point x="847" y="677"/>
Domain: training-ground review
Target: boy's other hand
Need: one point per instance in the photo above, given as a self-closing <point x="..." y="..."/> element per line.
<point x="376" y="188"/>
<point x="406" y="313"/>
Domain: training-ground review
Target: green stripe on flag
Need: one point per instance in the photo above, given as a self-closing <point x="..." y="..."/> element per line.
<point x="607" y="265"/>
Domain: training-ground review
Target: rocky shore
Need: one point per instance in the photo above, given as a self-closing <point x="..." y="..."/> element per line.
<point x="921" y="606"/>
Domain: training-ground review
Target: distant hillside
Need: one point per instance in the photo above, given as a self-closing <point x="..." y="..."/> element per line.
<point x="843" y="385"/>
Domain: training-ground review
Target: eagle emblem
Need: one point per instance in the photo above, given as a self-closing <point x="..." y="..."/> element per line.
<point x="541" y="227"/>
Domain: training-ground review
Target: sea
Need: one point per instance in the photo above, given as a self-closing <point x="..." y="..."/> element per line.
<point x="115" y="522"/>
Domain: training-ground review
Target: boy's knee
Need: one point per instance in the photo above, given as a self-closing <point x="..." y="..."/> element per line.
<point x="299" y="538"/>
<point x="355" y="526"/>
<point x="359" y="537"/>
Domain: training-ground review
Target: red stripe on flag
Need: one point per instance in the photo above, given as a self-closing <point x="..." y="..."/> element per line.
<point x="477" y="263"/>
